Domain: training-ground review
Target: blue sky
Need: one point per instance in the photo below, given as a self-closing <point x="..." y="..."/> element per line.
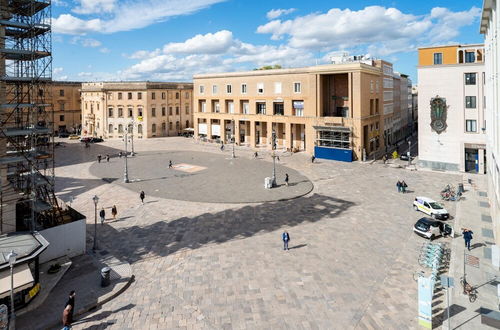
<point x="170" y="40"/>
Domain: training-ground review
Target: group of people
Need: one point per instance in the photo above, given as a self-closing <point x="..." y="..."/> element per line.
<point x="102" y="213"/>
<point x="401" y="185"/>
<point x="99" y="158"/>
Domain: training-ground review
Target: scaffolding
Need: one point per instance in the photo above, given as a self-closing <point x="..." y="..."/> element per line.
<point x="27" y="194"/>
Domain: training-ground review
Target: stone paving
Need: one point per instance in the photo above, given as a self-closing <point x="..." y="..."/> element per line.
<point x="203" y="177"/>
<point x="218" y="265"/>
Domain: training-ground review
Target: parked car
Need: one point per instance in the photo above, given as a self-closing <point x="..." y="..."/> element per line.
<point x="430" y="228"/>
<point x="74" y="137"/>
<point x="430" y="207"/>
<point x="85" y="139"/>
<point x="95" y="140"/>
<point x="63" y="134"/>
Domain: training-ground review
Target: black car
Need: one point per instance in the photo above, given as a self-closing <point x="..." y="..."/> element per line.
<point x="430" y="228"/>
<point x="63" y="134"/>
<point x="96" y="140"/>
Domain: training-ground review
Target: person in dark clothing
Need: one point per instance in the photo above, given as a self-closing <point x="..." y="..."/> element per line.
<point x="255" y="155"/>
<point x="67" y="317"/>
<point x="120" y="154"/>
<point x="403" y="186"/>
<point x="313" y="158"/>
<point x="398" y="184"/>
<point x="107" y="158"/>
<point x="142" y="195"/>
<point x="71" y="302"/>
<point x="102" y="214"/>
<point x="169" y="164"/>
<point x="286" y="179"/>
<point x="99" y="157"/>
<point x="467" y="233"/>
<point x="286" y="238"/>
<point x="114" y="212"/>
<point x="222" y="147"/>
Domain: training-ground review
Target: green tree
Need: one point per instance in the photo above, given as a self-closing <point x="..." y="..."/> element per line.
<point x="269" y="67"/>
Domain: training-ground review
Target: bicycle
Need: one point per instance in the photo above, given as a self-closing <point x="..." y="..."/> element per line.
<point x="468" y="289"/>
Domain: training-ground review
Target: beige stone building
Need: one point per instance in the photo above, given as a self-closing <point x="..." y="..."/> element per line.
<point x="335" y="111"/>
<point x="151" y="108"/>
<point x="66" y="104"/>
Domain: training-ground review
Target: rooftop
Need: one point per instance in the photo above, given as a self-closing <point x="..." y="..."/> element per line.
<point x="26" y="245"/>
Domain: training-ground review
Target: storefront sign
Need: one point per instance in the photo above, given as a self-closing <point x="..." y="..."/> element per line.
<point x="33" y="292"/>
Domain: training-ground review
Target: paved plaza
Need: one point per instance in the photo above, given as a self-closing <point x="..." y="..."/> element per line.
<point x="202" y="265"/>
<point x="203" y="177"/>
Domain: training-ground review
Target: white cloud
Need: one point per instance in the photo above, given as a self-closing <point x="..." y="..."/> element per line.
<point x="209" y="43"/>
<point x="94" y="6"/>
<point x="373" y="25"/>
<point x="105" y="50"/>
<point x="57" y="70"/>
<point x="124" y="16"/>
<point x="275" y="13"/>
<point x="85" y="74"/>
<point x="60" y="3"/>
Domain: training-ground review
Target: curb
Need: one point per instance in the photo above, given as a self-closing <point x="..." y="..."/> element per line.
<point x="98" y="303"/>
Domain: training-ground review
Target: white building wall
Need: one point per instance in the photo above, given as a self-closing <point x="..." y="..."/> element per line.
<point x="446" y="151"/>
<point x="490" y="28"/>
<point x="67" y="239"/>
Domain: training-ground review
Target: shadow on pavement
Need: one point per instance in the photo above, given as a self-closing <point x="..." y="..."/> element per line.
<point x="210" y="228"/>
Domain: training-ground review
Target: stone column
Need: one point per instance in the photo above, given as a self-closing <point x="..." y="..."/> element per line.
<point x="269" y="135"/>
<point x="252" y="134"/>
<point x="288" y="136"/>
<point x="209" y="128"/>
<point x="223" y="130"/>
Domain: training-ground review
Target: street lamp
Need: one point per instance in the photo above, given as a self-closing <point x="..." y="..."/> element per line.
<point x="132" y="123"/>
<point x="12" y="260"/>
<point x="233" y="130"/>
<point x="96" y="200"/>
<point x="273" y="178"/>
<point x="409" y="152"/>
<point x="125" y="175"/>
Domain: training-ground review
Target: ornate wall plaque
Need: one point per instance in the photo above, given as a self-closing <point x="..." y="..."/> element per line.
<point x="439" y="111"/>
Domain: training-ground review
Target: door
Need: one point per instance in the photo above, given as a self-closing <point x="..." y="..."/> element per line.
<point x="471" y="160"/>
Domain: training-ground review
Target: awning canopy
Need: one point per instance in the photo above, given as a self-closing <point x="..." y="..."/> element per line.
<point x="22" y="280"/>
<point x="27" y="246"/>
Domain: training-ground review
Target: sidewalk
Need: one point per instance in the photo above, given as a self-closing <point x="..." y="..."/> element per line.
<point x="473" y="213"/>
<point x="84" y="277"/>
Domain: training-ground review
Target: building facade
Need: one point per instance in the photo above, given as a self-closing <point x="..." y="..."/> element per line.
<point x="451" y="120"/>
<point x="335" y="110"/>
<point x="490" y="26"/>
<point x="146" y="109"/>
<point x="66" y="104"/>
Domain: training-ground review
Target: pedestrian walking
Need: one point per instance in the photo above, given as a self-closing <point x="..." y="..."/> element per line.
<point x="142" y="195"/>
<point x="278" y="158"/>
<point x="169" y="164"/>
<point x="222" y="147"/>
<point x="313" y="158"/>
<point x="102" y="214"/>
<point x="255" y="155"/>
<point x="67" y="318"/>
<point x="71" y="302"/>
<point x="107" y="158"/>
<point x="114" y="212"/>
<point x="467" y="233"/>
<point x="286" y="238"/>
<point x="399" y="186"/>
<point x="384" y="158"/>
<point x="286" y="179"/>
<point x="99" y="157"/>
<point x="120" y="154"/>
<point x="403" y="186"/>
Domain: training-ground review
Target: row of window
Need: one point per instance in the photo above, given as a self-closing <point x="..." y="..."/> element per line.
<point x="130" y="95"/>
<point x="297" y="88"/>
<point x="153" y="127"/>
<point x="470" y="57"/>
<point x="278" y="107"/>
<point x="130" y="111"/>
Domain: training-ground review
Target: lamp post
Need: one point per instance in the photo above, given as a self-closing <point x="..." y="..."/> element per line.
<point x="132" y="123"/>
<point x="233" y="130"/>
<point x="273" y="178"/>
<point x="12" y="260"/>
<point x="125" y="174"/>
<point x="409" y="152"/>
<point x="96" y="200"/>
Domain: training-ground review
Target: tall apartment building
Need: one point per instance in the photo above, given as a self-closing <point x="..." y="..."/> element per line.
<point x="451" y="121"/>
<point x="335" y="111"/>
<point x="148" y="109"/>
<point x="490" y="27"/>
